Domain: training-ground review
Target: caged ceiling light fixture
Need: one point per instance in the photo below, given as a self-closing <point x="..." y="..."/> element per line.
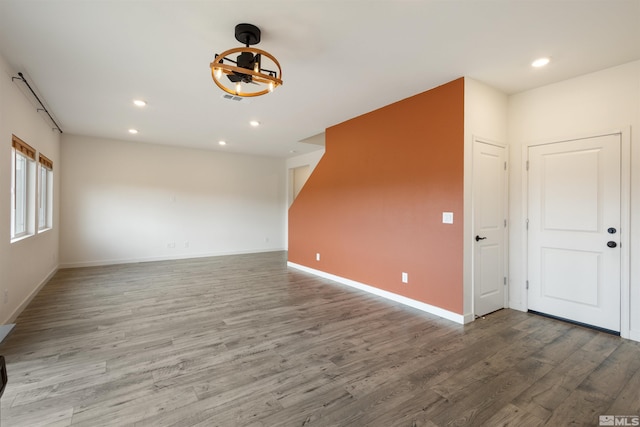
<point x="253" y="72"/>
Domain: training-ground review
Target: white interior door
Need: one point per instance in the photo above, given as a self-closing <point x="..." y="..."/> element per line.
<point x="489" y="224"/>
<point x="574" y="230"/>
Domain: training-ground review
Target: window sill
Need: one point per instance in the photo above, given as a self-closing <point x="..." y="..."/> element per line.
<point x="22" y="237"/>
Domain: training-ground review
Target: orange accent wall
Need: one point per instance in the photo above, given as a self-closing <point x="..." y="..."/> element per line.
<point x="373" y="206"/>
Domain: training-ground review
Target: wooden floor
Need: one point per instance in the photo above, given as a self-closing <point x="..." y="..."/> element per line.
<point x="245" y="341"/>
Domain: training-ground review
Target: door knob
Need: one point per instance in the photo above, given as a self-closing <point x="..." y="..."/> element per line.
<point x="612" y="244"/>
<point x="611" y="230"/>
<point x="478" y="238"/>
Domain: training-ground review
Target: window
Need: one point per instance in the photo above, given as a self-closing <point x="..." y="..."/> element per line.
<point x="20" y="194"/>
<point x="22" y="159"/>
<point x="45" y="197"/>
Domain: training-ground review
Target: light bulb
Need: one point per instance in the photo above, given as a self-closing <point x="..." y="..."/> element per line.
<point x="256" y="67"/>
<point x="271" y="87"/>
<point x="238" y="88"/>
<point x="217" y="73"/>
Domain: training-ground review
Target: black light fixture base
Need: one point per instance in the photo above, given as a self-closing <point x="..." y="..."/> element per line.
<point x="248" y="34"/>
<point x="246" y="64"/>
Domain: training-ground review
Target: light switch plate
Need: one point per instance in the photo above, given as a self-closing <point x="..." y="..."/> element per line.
<point x="447" y="217"/>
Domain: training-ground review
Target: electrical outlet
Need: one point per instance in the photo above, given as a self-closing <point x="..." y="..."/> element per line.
<point x="171" y="245"/>
<point x="318" y="256"/>
<point x="405" y="277"/>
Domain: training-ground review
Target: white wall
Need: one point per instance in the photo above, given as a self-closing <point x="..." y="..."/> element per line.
<point x="128" y="202"/>
<point x="485" y="118"/>
<point x="309" y="159"/>
<point x="295" y="184"/>
<point x="604" y="101"/>
<point x="25" y="265"/>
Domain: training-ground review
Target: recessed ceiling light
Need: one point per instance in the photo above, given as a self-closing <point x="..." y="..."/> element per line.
<point x="222" y="143"/>
<point x="254" y="123"/>
<point x="133" y="131"/>
<point x="139" y="102"/>
<point x="540" y="62"/>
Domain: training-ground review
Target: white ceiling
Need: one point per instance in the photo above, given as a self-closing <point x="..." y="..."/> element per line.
<point x="340" y="59"/>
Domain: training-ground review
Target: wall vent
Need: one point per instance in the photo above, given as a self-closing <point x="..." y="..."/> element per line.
<point x="232" y="97"/>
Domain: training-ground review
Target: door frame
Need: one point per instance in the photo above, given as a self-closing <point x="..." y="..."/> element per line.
<point x="625" y="218"/>
<point x="505" y="231"/>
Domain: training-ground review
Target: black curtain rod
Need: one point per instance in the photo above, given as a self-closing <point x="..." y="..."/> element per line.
<point x="37" y="99"/>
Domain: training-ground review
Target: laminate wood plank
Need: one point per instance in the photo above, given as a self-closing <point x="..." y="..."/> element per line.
<point x="475" y="405"/>
<point x="511" y="415"/>
<point x="465" y="380"/>
<point x="410" y="412"/>
<point x="564" y="345"/>
<point x="580" y="408"/>
<point x="545" y="395"/>
<point x="610" y="377"/>
<point x="628" y="400"/>
<point x="244" y="341"/>
<point x="384" y="406"/>
<point x="449" y="363"/>
<point x="58" y="417"/>
<point x="79" y="391"/>
<point x="597" y="392"/>
<point x="54" y="374"/>
<point x="134" y="407"/>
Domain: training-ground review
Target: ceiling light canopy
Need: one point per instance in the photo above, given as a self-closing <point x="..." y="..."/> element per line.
<point x="253" y="72"/>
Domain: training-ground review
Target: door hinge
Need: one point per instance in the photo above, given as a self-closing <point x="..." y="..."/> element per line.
<point x="527" y="223"/>
<point x="527" y="164"/>
<point x="505" y="165"/>
<point x="505" y="281"/>
<point x="527" y="284"/>
<point x="505" y="223"/>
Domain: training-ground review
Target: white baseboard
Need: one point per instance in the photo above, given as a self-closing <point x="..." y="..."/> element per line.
<point x="12" y="318"/>
<point x="98" y="263"/>
<point x="518" y="306"/>
<point x="634" y="335"/>
<point x="427" y="308"/>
